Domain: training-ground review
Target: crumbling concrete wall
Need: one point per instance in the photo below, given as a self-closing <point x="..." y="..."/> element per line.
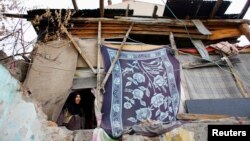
<point x="23" y="120"/>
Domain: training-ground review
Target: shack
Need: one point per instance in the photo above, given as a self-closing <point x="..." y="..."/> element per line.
<point x="212" y="70"/>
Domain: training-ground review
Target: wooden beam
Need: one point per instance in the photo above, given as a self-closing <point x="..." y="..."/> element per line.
<point x="154" y="14"/>
<point x="101" y="8"/>
<point x="238" y="81"/>
<point x="244" y="10"/>
<point x="75" y="5"/>
<point x="159" y="21"/>
<point x="187" y="116"/>
<point x="225" y="33"/>
<point x="78" y="49"/>
<point x="215" y="8"/>
<point x="116" y="57"/>
<point x="244" y="28"/>
<point x="98" y="96"/>
<point x="127" y="10"/>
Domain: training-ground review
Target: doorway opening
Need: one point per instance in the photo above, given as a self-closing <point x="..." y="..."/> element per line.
<point x="88" y="119"/>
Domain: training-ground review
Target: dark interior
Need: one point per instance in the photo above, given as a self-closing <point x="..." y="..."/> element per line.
<point x="87" y="104"/>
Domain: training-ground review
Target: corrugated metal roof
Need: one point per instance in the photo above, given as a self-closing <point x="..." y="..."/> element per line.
<point x="214" y="82"/>
<point x="195" y="9"/>
<point x="109" y="13"/>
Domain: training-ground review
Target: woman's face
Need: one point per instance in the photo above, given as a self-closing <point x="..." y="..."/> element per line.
<point x="77" y="99"/>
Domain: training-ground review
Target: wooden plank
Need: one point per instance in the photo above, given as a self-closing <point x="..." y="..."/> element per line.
<point x="106" y="35"/>
<point x="183" y="116"/>
<point x="244" y="28"/>
<point x="126" y="14"/>
<point x="98" y="96"/>
<point x="154" y="14"/>
<point x="116" y="57"/>
<point x="201" y="28"/>
<point x="75" y="5"/>
<point x="101" y="2"/>
<point x="215" y="8"/>
<point x="78" y="49"/>
<point x="225" y="33"/>
<point x="159" y="21"/>
<point x="136" y="28"/>
<point x="238" y="81"/>
<point x="244" y="10"/>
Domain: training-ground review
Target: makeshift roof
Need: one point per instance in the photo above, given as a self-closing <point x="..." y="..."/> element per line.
<point x="201" y="9"/>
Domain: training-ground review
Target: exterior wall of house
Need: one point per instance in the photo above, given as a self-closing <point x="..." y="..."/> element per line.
<point x="140" y="8"/>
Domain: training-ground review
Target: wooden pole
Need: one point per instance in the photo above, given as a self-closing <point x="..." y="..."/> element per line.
<point x="216" y="8"/>
<point x="154" y="14"/>
<point x="101" y="8"/>
<point x="127" y="11"/>
<point x="75" y="5"/>
<point x="78" y="49"/>
<point x="244" y="28"/>
<point x="98" y="96"/>
<point x="238" y="81"/>
<point x="116" y="57"/>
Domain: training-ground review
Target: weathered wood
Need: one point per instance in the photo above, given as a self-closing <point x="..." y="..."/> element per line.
<point x="159" y="21"/>
<point x="101" y="8"/>
<point x="126" y="14"/>
<point x="200" y="65"/>
<point x="75" y="4"/>
<point x="183" y="116"/>
<point x="116" y="57"/>
<point x="78" y="49"/>
<point x="238" y="81"/>
<point x="154" y="14"/>
<point x="110" y="35"/>
<point x="244" y="10"/>
<point x="225" y="33"/>
<point x="109" y="29"/>
<point x="244" y="28"/>
<point x="215" y="8"/>
<point x="98" y="92"/>
<point x="173" y="44"/>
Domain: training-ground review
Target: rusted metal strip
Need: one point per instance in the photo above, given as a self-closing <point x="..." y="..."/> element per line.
<point x="201" y="49"/>
<point x="201" y="27"/>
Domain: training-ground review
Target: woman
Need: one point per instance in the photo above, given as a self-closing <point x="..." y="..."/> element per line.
<point x="72" y="115"/>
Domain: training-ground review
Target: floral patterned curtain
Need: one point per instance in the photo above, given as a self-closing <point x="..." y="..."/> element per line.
<point x="143" y="86"/>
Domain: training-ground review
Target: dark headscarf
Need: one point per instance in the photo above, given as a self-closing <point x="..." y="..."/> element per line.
<point x="73" y="108"/>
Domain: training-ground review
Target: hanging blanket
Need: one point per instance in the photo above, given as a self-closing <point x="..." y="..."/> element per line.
<point x="142" y="86"/>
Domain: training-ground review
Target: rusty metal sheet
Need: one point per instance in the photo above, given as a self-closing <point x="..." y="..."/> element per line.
<point x="201" y="27"/>
<point x="201" y="49"/>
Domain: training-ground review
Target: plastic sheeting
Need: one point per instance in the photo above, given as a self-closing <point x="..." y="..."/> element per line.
<point x="51" y="75"/>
